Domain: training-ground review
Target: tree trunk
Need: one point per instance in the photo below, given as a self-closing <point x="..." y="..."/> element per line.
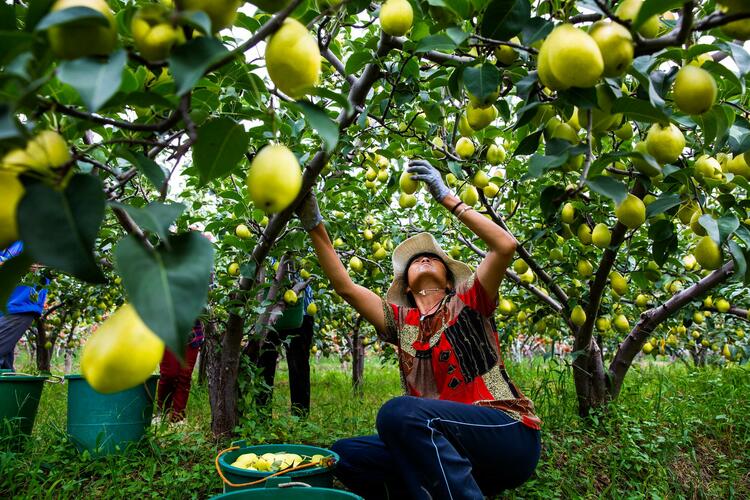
<point x="222" y="360"/>
<point x="68" y="361"/>
<point x="358" y="361"/>
<point x="42" y="355"/>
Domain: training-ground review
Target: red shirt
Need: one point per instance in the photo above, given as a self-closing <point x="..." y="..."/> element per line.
<point x="454" y="353"/>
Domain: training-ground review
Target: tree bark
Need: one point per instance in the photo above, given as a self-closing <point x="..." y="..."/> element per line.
<point x="222" y="359"/>
<point x="42" y="355"/>
<point x="358" y="358"/>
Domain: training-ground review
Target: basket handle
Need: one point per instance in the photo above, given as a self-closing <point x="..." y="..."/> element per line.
<point x="294" y="484"/>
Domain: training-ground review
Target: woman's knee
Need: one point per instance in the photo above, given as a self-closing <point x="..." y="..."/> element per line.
<point x="395" y="415"/>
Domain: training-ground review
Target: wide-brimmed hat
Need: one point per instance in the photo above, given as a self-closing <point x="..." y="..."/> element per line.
<point x="417" y="244"/>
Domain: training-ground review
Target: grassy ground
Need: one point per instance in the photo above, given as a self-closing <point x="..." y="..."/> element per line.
<point x="675" y="433"/>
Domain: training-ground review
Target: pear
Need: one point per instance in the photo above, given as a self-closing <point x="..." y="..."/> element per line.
<point x="407" y="200"/>
<point x="631" y="212"/>
<point x="470" y="196"/>
<point x="574" y="57"/>
<point x="665" y="142"/>
<point x="708" y="253"/>
<point x="602" y="323"/>
<point x="628" y="9"/>
<point x="568" y="213"/>
<point x="356" y="265"/>
<point x="293" y="59"/>
<point x="520" y="266"/>
<point x="616" y="45"/>
<point x="11" y="192"/>
<point x="495" y="154"/>
<point x="274" y="179"/>
<point x="480" y="179"/>
<point x="407" y="184"/>
<point x="396" y="17"/>
<point x="695" y="224"/>
<point x="643" y="166"/>
<point x="83" y="38"/>
<point x="694" y="90"/>
<point x="584" y="234"/>
<point x="619" y="283"/>
<point x="464" y="128"/>
<point x="621" y="323"/>
<point x="601" y="236"/>
<point x="506" y="55"/>
<point x="544" y="68"/>
<point x="578" y="316"/>
<point x="585" y="269"/>
<point x="465" y="148"/>
<point x="479" y="117"/>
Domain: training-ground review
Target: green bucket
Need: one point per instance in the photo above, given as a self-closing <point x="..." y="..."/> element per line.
<point x="286" y="490"/>
<point x="314" y="476"/>
<point x="105" y="424"/>
<point x="19" y="402"/>
<point x="291" y="317"/>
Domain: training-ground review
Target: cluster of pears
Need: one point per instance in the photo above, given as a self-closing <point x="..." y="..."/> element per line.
<point x="274" y="462"/>
<point x="154" y="35"/>
<point x="377" y="170"/>
<point x="122" y="353"/>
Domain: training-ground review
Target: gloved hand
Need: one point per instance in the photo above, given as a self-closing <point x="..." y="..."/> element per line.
<point x="309" y="213"/>
<point x="423" y="171"/>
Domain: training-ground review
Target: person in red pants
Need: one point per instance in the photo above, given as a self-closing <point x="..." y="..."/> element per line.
<point x="175" y="378"/>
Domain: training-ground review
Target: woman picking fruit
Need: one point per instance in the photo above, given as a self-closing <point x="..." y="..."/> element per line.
<point x="464" y="430"/>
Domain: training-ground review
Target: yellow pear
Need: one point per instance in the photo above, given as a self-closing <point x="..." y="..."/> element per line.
<point x="574" y="57"/>
<point x="274" y="179"/>
<point x="122" y="353"/>
<point x="242" y="232"/>
<point x="740" y="29"/>
<point x="495" y="154"/>
<point x="621" y="323"/>
<point x="578" y="316"/>
<point x="153" y="35"/>
<point x="396" y="17"/>
<point x="544" y="68"/>
<point x="406" y="200"/>
<point x="643" y="166"/>
<point x="478" y="118"/>
<point x="407" y="184"/>
<point x="312" y="309"/>
<point x="708" y="253"/>
<point x="356" y="264"/>
<point x="465" y="148"/>
<point x="616" y="45"/>
<point x="491" y="190"/>
<point x="585" y="269"/>
<point x="464" y="128"/>
<point x="48" y="150"/>
<point x="602" y="323"/>
<point x="83" y="38"/>
<point x="723" y="305"/>
<point x="565" y="132"/>
<point x="293" y="59"/>
<point x="290" y="297"/>
<point x="625" y="132"/>
<point x="647" y="348"/>
<point x="233" y="269"/>
<point x="739" y="166"/>
<point x="601" y="236"/>
<point x="568" y="213"/>
<point x="480" y="179"/>
<point x="695" y="224"/>
<point x="11" y="192"/>
<point x="631" y="212"/>
<point x="665" y="142"/>
<point x="708" y="167"/>
<point x="584" y="234"/>
<point x="628" y="9"/>
<point x="506" y="55"/>
<point x="619" y="283"/>
<point x="641" y="301"/>
<point x="469" y="195"/>
<point x="520" y="266"/>
<point x="694" y="90"/>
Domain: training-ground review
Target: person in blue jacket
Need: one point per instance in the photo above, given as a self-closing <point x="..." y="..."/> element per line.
<point x="26" y="303"/>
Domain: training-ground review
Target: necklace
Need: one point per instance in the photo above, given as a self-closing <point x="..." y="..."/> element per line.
<point x="432" y="309"/>
<point x="424" y="292"/>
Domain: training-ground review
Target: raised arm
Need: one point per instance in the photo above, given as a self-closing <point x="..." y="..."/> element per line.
<point x="500" y="243"/>
<point x="366" y="302"/>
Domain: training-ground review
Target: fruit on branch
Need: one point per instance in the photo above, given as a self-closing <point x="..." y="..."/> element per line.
<point x="665" y="142"/>
<point x="616" y="45"/>
<point x="643" y="166"/>
<point x="11" y="192"/>
<point x="723" y="305"/>
<point x="47" y="150"/>
<point x="695" y="224"/>
<point x="628" y="10"/>
<point x="565" y="132"/>
<point x="601" y="236"/>
<point x="153" y="34"/>
<point x="355" y="264"/>
<point x="242" y="232"/>
<point x="641" y="301"/>
<point x="480" y="179"/>
<point x="396" y="17"/>
<point x="221" y="12"/>
<point x="585" y="269"/>
<point x="708" y="167"/>
<point x="233" y="269"/>
<point x="578" y="316"/>
<point x="506" y="55"/>
<point x="708" y="254"/>
<point x="603" y="324"/>
<point x="625" y="132"/>
<point x="290" y="297"/>
<point x="631" y="212"/>
<point x="584" y="234"/>
<point x="293" y="59"/>
<point x="274" y="179"/>
<point x="621" y="323"/>
<point x="465" y="148"/>
<point x="491" y="190"/>
<point x="121" y="353"/>
<point x="469" y="195"/>
<point x="568" y="213"/>
<point x="520" y="266"/>
<point x="85" y="37"/>
<point x="495" y="154"/>
<point x="478" y="117"/>
<point x="619" y="283"/>
<point x="312" y="309"/>
<point x="407" y="184"/>
<point x="739" y="166"/>
<point x="406" y="200"/>
<point x="464" y="128"/>
<point x="694" y="90"/>
<point x="647" y="348"/>
<point x="574" y="57"/>
<point x="544" y="69"/>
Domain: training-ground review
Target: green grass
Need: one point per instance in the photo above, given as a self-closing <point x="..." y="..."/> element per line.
<point x="674" y="433"/>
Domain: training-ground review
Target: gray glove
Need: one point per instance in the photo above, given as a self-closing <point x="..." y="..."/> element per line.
<point x="428" y="174"/>
<point x="309" y="213"/>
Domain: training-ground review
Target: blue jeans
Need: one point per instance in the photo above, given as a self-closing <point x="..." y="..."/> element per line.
<point x="428" y="448"/>
<point x="12" y="328"/>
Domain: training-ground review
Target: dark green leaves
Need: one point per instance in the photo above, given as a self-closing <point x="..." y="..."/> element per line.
<point x="146" y="166"/>
<point x="73" y="15"/>
<point x="435" y="42"/>
<point x="320" y="121"/>
<point x="11" y="272"/>
<point x="483" y="83"/>
<point x="662" y="234"/>
<point x="640" y="110"/>
<point x="155" y="217"/>
<point x="609" y="187"/>
<point x="662" y="204"/>
<point x="190" y="61"/>
<point x="220" y="146"/>
<point x="59" y="228"/>
<point x="504" y="19"/>
<point x="167" y="287"/>
<point x="96" y="81"/>
<point x="651" y="8"/>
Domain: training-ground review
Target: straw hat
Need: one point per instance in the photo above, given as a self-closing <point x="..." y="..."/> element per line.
<point x="420" y="243"/>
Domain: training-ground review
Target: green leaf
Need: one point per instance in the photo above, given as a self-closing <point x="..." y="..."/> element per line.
<point x="740" y="262"/>
<point x="711" y="227"/>
<point x="650" y="8"/>
<point x="538" y="164"/>
<point x="220" y="146"/>
<point x="640" y="110"/>
<point x="529" y="144"/>
<point x="190" y="61"/>
<point x="9" y="128"/>
<point x="37" y="10"/>
<point x="155" y="217"/>
<point x="96" y="81"/>
<point x="609" y="187"/>
<point x="435" y="42"/>
<point x="662" y="204"/>
<point x="168" y="288"/>
<point x="196" y="19"/>
<point x="483" y="82"/>
<point x="85" y="16"/>
<point x="504" y="19"/>
<point x="321" y="122"/>
<point x="727" y="225"/>
<point x="11" y="272"/>
<point x="59" y="228"/>
<point x="148" y="167"/>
